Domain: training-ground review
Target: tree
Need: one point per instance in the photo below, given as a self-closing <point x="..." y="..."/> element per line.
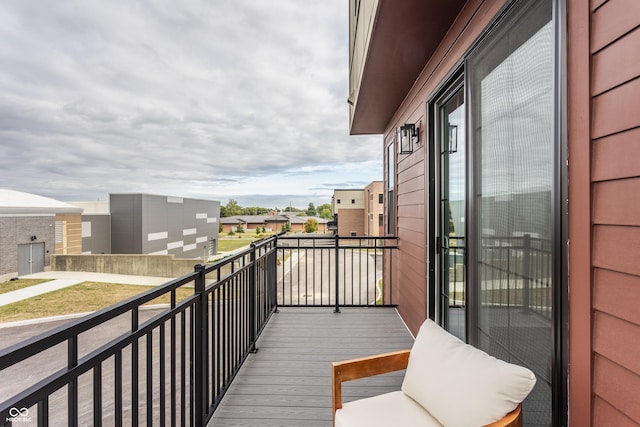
<point x="325" y="213"/>
<point x="231" y="209"/>
<point x="311" y="210"/>
<point x="239" y="228"/>
<point x="311" y="226"/>
<point x="286" y="227"/>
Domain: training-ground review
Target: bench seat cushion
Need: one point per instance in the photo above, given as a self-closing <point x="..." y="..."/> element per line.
<point x="392" y="409"/>
<point x="461" y="385"/>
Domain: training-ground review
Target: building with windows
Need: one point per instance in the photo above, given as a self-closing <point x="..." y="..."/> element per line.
<point x="347" y="206"/>
<point x="32" y="228"/>
<point x="374" y="209"/>
<point x="510" y="129"/>
<point x="359" y="212"/>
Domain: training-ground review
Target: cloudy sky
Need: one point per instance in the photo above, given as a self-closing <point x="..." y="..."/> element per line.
<point x="217" y="99"/>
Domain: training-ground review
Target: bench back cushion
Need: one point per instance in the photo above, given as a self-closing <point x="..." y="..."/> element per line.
<point x="459" y="384"/>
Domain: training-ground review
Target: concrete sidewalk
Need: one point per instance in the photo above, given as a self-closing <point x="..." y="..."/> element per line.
<point x="63" y="279"/>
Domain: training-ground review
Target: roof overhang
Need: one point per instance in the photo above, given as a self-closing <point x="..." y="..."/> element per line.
<point x="405" y="34"/>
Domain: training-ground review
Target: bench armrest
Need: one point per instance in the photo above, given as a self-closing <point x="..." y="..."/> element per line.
<point x="365" y="367"/>
<point x="389" y="362"/>
<point x="512" y="419"/>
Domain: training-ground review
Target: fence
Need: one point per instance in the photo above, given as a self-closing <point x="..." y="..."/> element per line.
<point x="169" y="366"/>
<point x="334" y="271"/>
<point x="172" y="365"/>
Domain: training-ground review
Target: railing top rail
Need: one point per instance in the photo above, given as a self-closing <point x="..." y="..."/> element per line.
<point x="333" y="237"/>
<point x="28" y="348"/>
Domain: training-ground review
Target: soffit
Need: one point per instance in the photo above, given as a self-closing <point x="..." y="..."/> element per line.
<point x="405" y="35"/>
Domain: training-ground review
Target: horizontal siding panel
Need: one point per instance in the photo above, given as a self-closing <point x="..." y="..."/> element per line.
<point x="617" y="110"/>
<point x="416" y="225"/>
<point x="616" y="339"/>
<point x="412" y="236"/>
<point x="615" y="202"/>
<point x="617" y="294"/>
<point x="612" y="20"/>
<point x="616" y="64"/>
<point x="415" y="252"/>
<point x="414" y="198"/>
<point x="412" y="306"/>
<point x="618" y="386"/>
<point x="606" y="415"/>
<point x="411" y="211"/>
<point x="410" y="275"/>
<point x="411" y="185"/>
<point x="405" y="161"/>
<point x="415" y="171"/>
<point x="616" y="156"/>
<point x="617" y="248"/>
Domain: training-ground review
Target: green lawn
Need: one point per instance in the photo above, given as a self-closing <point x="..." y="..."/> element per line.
<point x="14" y="285"/>
<point x="80" y="298"/>
<point x="227" y="245"/>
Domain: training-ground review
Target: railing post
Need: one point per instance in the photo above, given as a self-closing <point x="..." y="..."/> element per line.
<point x="337" y="272"/>
<point x="200" y="335"/>
<point x="253" y="271"/>
<point x="526" y="267"/>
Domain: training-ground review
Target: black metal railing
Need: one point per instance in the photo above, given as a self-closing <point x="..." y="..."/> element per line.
<point x="167" y="366"/>
<point x="517" y="271"/>
<point x="335" y="271"/>
<point x="134" y="363"/>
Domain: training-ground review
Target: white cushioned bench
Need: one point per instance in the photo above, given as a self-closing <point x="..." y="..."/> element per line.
<point x="447" y="383"/>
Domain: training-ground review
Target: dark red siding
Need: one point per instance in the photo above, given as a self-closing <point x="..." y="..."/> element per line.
<point x="615" y="135"/>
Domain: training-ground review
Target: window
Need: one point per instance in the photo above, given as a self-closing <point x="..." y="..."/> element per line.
<point x="380" y="220"/>
<point x="391" y="201"/>
<point x="380" y="198"/>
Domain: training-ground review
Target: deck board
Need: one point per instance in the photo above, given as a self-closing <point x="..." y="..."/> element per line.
<point x="288" y="381"/>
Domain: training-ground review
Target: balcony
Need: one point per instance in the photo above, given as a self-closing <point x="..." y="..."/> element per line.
<point x="135" y="364"/>
<point x="251" y="346"/>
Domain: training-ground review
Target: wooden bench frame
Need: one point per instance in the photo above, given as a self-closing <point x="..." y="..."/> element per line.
<point x="389" y="362"/>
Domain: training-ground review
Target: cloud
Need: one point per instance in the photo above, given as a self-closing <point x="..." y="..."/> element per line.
<point x="185" y="98"/>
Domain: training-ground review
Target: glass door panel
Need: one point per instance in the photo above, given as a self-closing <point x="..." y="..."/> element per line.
<point x="452" y="208"/>
<point x="512" y="115"/>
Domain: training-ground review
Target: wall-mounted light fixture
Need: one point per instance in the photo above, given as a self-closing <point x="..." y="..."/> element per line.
<point x="453" y="139"/>
<point x="408" y="134"/>
<point x="33" y="238"/>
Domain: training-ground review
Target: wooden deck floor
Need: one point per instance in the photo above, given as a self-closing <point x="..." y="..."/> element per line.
<point x="288" y="381"/>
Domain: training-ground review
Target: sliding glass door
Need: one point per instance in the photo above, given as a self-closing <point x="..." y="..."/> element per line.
<point x="512" y="92"/>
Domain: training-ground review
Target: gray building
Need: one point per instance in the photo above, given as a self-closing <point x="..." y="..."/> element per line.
<point x="161" y="225"/>
<point x="32" y="228"/>
<point x="96" y="227"/>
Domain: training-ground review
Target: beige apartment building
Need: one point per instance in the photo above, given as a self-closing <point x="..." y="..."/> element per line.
<point x="374" y="209"/>
<point x="359" y="212"/>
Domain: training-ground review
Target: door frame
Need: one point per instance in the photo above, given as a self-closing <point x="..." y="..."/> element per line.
<point x="450" y="86"/>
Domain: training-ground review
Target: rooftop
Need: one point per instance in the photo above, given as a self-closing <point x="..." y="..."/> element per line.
<point x="19" y="203"/>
